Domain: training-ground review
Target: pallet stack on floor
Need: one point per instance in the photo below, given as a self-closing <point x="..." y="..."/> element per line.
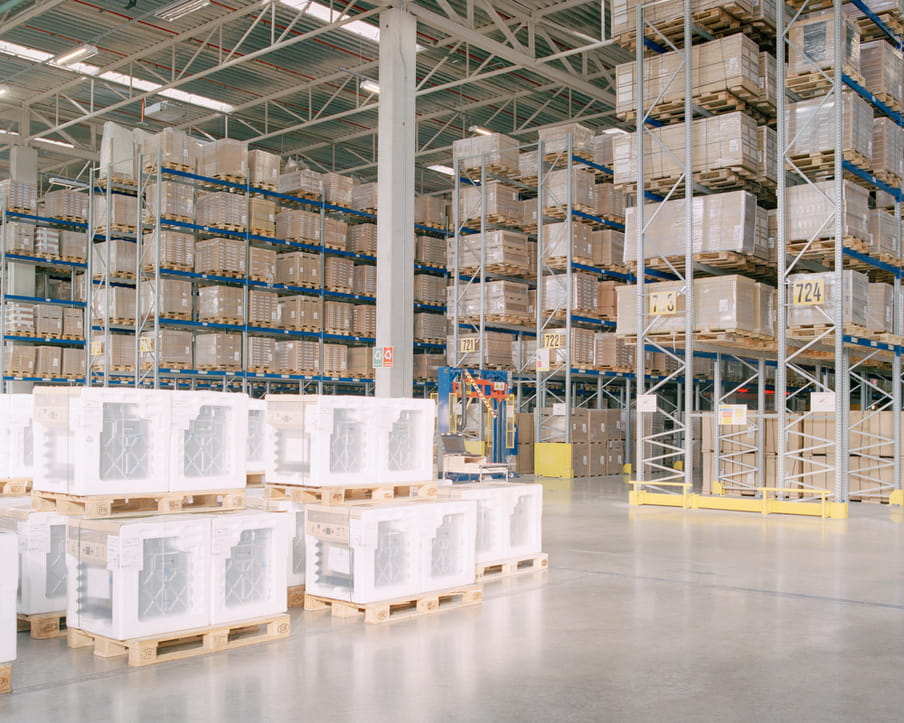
<point x="374" y="533"/>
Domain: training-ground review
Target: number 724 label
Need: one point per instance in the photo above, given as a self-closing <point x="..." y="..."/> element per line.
<point x="808" y="292"/>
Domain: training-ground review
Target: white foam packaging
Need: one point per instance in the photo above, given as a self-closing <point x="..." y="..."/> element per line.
<point x="16" y="436"/>
<point x="335" y="440"/>
<point x="41" y="539"/>
<point x="249" y="550"/>
<point x="257" y="418"/>
<point x="509" y="517"/>
<point x="208" y="446"/>
<point x="141" y="576"/>
<point x="9" y="574"/>
<point x="372" y="552"/>
<point x="294" y="512"/>
<point x="90" y="441"/>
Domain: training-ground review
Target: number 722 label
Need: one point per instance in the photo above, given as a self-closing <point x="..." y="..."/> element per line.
<point x="808" y="292"/>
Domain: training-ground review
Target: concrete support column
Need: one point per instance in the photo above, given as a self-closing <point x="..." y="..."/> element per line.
<point x="395" y="201"/>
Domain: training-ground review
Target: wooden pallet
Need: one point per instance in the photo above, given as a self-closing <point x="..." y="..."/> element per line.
<point x="558" y="212"/>
<point x="22" y="210"/>
<point x="229" y="178"/>
<point x="870" y="31"/>
<point x="718" y="22"/>
<point x="500" y="269"/>
<point x="494" y="219"/>
<point x="400" y="608"/>
<point x="492" y="169"/>
<point x="561" y="262"/>
<point x="716" y="102"/>
<point x="230" y="320"/>
<point x="185" y="643"/>
<point x="824" y="248"/>
<point x="512" y="566"/>
<point x="234" y="227"/>
<point x="151" y="167"/>
<point x="264" y="186"/>
<point x="811" y="331"/>
<point x="151" y="502"/>
<point x="809" y="85"/>
<point x="43" y="626"/>
<point x="15" y="486"/>
<point x="513" y="319"/>
<point x="172" y="217"/>
<point x="821" y="166"/>
<point x="6" y="678"/>
<point x="254" y="479"/>
<point x="265" y="232"/>
<point x="751" y="266"/>
<point x="228" y="273"/>
<point x="349" y="493"/>
<point x="295" y="596"/>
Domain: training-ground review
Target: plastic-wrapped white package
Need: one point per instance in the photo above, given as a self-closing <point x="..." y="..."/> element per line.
<point x="295" y="545"/>
<point x="257" y="417"/>
<point x="134" y="577"/>
<point x="248" y="572"/>
<point x="42" y="557"/>
<point x="16" y="436"/>
<point x="208" y="442"/>
<point x="509" y="517"/>
<point x="100" y="441"/>
<point x="9" y="573"/>
<point x="370" y="552"/>
<point x="344" y="440"/>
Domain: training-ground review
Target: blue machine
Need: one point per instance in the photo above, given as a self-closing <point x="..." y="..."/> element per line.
<point x="461" y="388"/>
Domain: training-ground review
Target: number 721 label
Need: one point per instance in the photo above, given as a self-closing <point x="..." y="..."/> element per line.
<point x="808" y="292"/>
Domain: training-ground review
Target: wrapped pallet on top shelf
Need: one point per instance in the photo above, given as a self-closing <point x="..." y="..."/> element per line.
<point x="555" y="140"/>
<point x="223" y="210"/>
<point x="301" y="313"/>
<point x="220" y="257"/>
<point x="123" y="213"/>
<point x="73" y="246"/>
<point x="725" y="149"/>
<point x="360" y="362"/>
<point x="174" y="298"/>
<point x="261" y="353"/>
<point x="337" y="189"/>
<point x="884" y="237"/>
<point x="19" y="359"/>
<point x="263" y="169"/>
<point x="47" y="242"/>
<point x="20" y="319"/>
<point x="122" y="258"/>
<point x="506" y="302"/>
<point x="174" y="349"/>
<point x="555" y="243"/>
<point x="883" y="72"/>
<point x="723" y="222"/>
<point x="608" y="248"/>
<point x="48" y="362"/>
<point x="66" y="204"/>
<point x="429" y="327"/>
<point x="221" y="304"/>
<point x="502" y="205"/>
<point x="219" y="350"/>
<point x="177" y="251"/>
<point x="365" y="280"/>
<point x="498" y="152"/>
<point x="880" y="309"/>
<point x="73" y="363"/>
<point x="430" y="211"/>
<point x="297" y="356"/>
<point x="117" y="155"/>
<point x="811" y="46"/>
<point x="20" y="238"/>
<point x="302" y="183"/>
<point x="506" y="252"/>
<point x="809" y="205"/>
<point x="338" y="317"/>
<point x="497" y="350"/>
<point x="175" y="149"/>
<point x="263" y="308"/>
<point x="298" y="268"/>
<point x="430" y="251"/>
<point x="364" y="320"/>
<point x="262" y="216"/>
<point x="888" y="151"/>
<point x="855" y="301"/>
<point x="339" y="274"/>
<point x="225" y="159"/>
<point x="263" y="264"/>
<point x="113" y="304"/>
<point x="726" y="74"/>
<point x="121" y="352"/>
<point x="426" y="366"/>
<point x="602" y="151"/>
<point x="811" y="127"/>
<point x="335" y="360"/>
<point x="19" y="196"/>
<point x="583" y="293"/>
<point x="177" y="202"/>
<point x="429" y="289"/>
<point x="555" y="191"/>
<point x="362" y="239"/>
<point x="582" y="346"/>
<point x="364" y="197"/>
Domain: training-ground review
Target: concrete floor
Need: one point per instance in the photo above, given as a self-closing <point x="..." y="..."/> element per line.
<point x="645" y="614"/>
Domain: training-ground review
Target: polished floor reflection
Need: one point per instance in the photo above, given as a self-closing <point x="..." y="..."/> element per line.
<point x="645" y="614"/>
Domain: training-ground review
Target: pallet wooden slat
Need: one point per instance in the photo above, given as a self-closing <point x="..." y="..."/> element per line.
<point x="400" y="608"/>
<point x="43" y="626"/>
<point x="349" y="493"/>
<point x="6" y="678"/>
<point x="158" y="502"/>
<point x="512" y="566"/>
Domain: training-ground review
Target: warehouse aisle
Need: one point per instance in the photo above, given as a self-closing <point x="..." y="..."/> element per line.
<point x="645" y="614"/>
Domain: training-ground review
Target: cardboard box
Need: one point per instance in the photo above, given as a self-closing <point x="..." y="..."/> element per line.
<point x="174" y="352"/>
<point x="223" y="210"/>
<point x="223" y="304"/>
<point x="49" y="362"/>
<point x="220" y="256"/>
<point x="73" y="363"/>
<point x="812" y="41"/>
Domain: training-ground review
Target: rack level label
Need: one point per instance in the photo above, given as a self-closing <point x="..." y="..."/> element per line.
<point x="468" y="344"/>
<point x="663" y="303"/>
<point x="554" y="340"/>
<point x="808" y="292"/>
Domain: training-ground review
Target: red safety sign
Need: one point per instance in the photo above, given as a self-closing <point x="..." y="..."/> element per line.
<point x="387" y="357"/>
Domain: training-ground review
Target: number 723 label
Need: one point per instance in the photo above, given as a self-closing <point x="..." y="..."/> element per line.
<point x="808" y="292"/>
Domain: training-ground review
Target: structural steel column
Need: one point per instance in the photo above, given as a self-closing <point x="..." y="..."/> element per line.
<point x="395" y="201"/>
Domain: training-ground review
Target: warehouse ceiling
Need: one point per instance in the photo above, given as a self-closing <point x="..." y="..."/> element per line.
<point x="286" y="75"/>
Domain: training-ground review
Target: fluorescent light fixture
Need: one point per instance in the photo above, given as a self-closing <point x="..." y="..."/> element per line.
<point x="614" y="131"/>
<point x="329" y="15"/>
<point x="370" y="86"/>
<point x="63" y="181"/>
<point x="180" y="9"/>
<point x="49" y="141"/>
<point x="480" y="130"/>
<point x="439" y="168"/>
<point x="4" y="89"/>
<point x="82" y="52"/>
<point x="39" y="56"/>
